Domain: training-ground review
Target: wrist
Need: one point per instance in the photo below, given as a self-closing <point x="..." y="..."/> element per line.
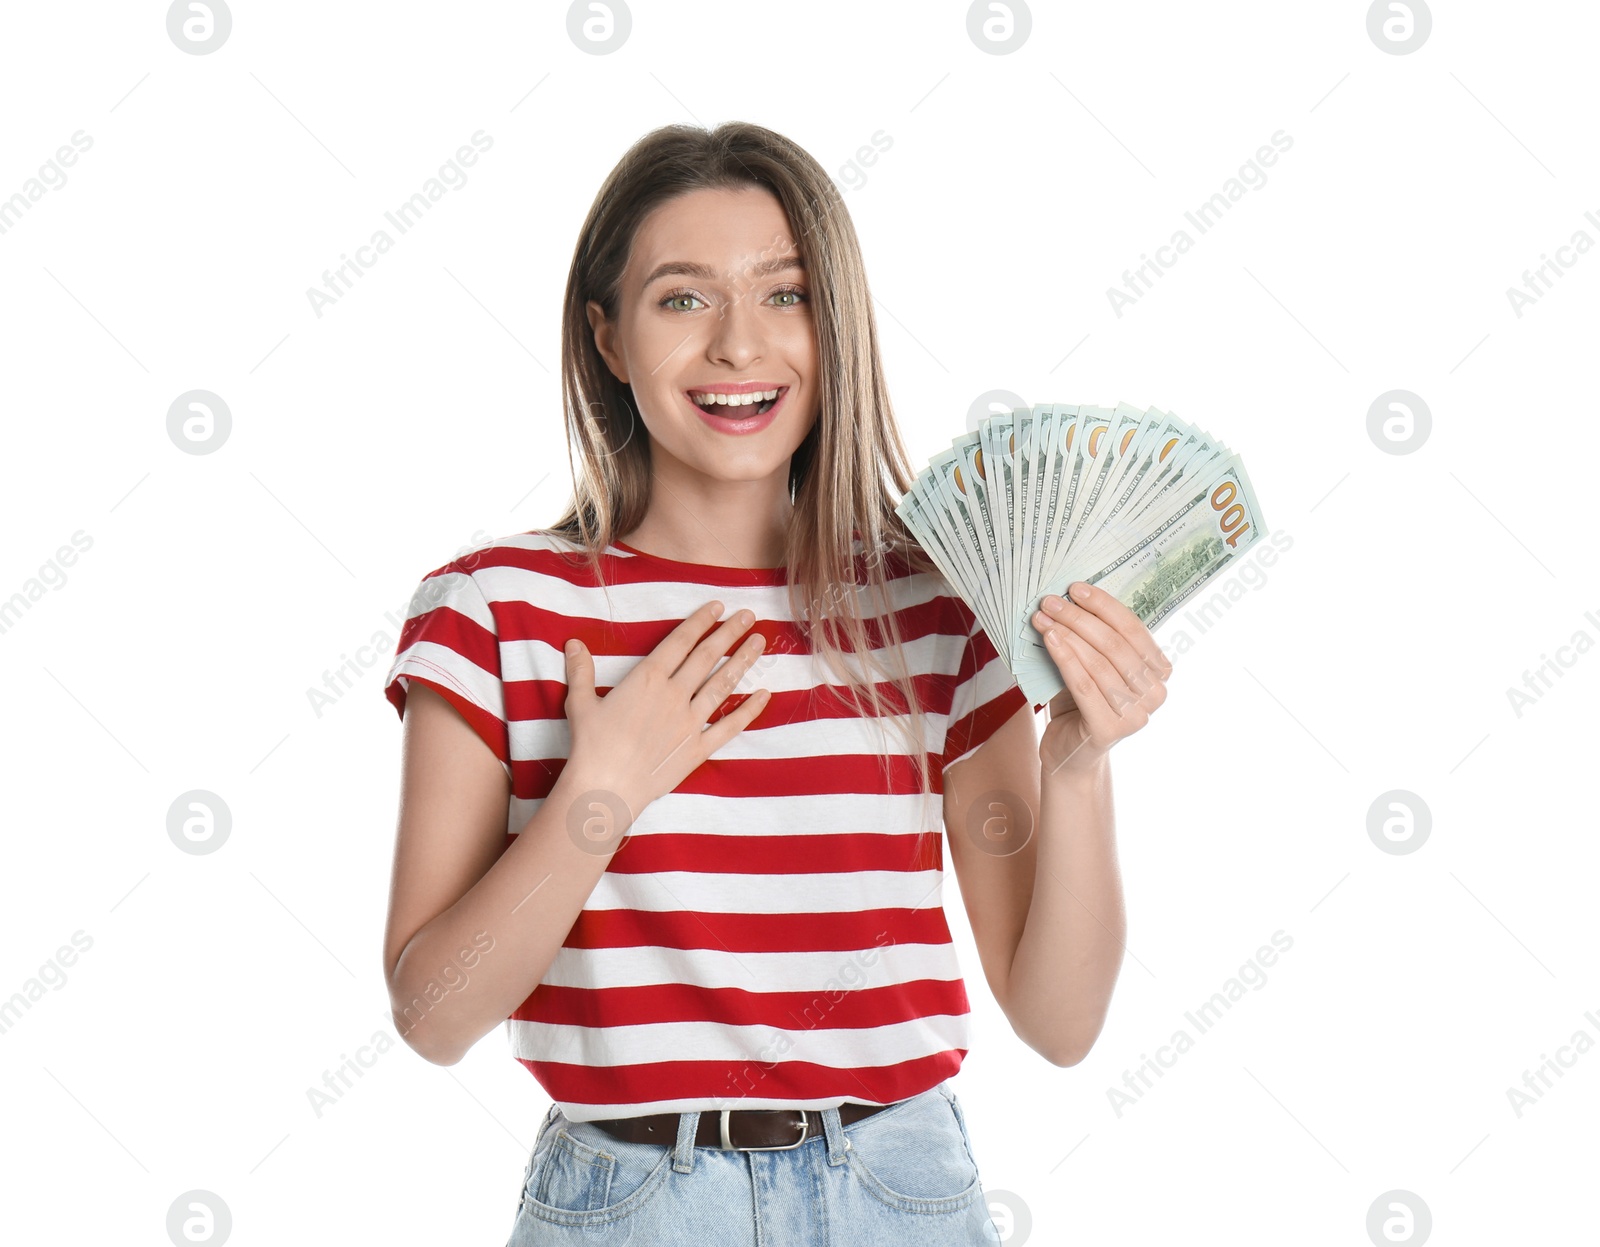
<point x="596" y="804"/>
<point x="1081" y="769"/>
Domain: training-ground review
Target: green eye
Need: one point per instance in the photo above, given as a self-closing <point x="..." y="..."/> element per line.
<point x="674" y="300"/>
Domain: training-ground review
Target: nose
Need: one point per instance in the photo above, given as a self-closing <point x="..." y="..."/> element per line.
<point x="737" y="337"/>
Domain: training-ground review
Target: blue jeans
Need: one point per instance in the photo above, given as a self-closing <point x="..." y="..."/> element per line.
<point x="906" y="1175"/>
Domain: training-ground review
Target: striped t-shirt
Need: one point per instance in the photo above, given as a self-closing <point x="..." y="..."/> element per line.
<point x="772" y="934"/>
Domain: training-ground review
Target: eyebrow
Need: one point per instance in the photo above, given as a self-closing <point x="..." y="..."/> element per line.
<point x="689" y="268"/>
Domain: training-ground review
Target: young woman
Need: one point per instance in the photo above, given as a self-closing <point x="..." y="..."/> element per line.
<point x="707" y="903"/>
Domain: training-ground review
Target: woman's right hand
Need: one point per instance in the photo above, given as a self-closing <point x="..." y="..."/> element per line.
<point x="649" y="732"/>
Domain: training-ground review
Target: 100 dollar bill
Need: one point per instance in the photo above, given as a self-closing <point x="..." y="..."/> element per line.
<point x="1212" y="522"/>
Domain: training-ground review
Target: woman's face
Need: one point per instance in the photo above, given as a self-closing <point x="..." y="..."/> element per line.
<point x="715" y="300"/>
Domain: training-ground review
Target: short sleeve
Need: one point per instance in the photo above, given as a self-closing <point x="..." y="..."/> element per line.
<point x="450" y="643"/>
<point x="986" y="692"/>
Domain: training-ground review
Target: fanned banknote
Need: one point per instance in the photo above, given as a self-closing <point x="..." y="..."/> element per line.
<point x="1140" y="503"/>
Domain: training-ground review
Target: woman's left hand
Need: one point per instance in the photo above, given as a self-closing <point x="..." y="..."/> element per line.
<point x="1114" y="671"/>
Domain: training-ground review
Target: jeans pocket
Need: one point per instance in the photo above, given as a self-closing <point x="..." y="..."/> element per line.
<point x="918" y="1159"/>
<point x="582" y="1176"/>
<point x="961" y="1123"/>
<point x="533" y="1156"/>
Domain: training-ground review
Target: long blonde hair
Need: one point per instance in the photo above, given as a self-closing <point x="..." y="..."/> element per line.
<point x="839" y="476"/>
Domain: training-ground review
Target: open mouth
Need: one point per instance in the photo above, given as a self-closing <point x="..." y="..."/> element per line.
<point x="737" y="406"/>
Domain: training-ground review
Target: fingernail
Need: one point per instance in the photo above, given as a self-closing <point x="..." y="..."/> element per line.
<point x="1080" y="590"/>
<point x="1053" y="603"/>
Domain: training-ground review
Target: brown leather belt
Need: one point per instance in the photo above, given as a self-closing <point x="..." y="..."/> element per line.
<point x="749" y="1129"/>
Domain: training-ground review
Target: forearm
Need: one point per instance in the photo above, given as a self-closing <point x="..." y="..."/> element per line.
<point x="1070" y="952"/>
<point x="467" y="970"/>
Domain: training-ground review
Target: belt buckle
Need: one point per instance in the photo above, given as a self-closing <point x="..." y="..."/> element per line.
<point x="727" y="1143"/>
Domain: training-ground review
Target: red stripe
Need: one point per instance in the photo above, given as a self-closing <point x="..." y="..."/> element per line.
<point x="455" y="631"/>
<point x="756" y="933"/>
<point x="824" y="1009"/>
<point x="823" y="853"/>
<point x="877" y="774"/>
<point x="760" y="1076"/>
<point x="574" y="567"/>
<point x="980" y="723"/>
<point x="983" y="723"/>
<point x="521" y="620"/>
<point x="785" y="777"/>
<point x="466" y="637"/>
<point x="532" y="700"/>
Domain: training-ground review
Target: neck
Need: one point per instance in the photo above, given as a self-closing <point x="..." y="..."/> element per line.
<point x="737" y="530"/>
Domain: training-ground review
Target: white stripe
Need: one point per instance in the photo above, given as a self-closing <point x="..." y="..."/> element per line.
<point x="704" y="814"/>
<point x="440" y="663"/>
<point x="444" y="666"/>
<point x="455" y="589"/>
<point x="991" y="680"/>
<point x="740" y="1046"/>
<point x="841" y="892"/>
<point x="804" y="739"/>
<point x="782" y="672"/>
<point x="882" y="965"/>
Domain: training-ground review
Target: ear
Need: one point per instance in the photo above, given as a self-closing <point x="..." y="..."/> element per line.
<point x="605" y="340"/>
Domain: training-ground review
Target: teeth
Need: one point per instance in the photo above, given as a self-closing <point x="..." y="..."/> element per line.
<point x="733" y="400"/>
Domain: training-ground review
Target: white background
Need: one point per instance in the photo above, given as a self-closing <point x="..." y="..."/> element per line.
<point x="421" y="413"/>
